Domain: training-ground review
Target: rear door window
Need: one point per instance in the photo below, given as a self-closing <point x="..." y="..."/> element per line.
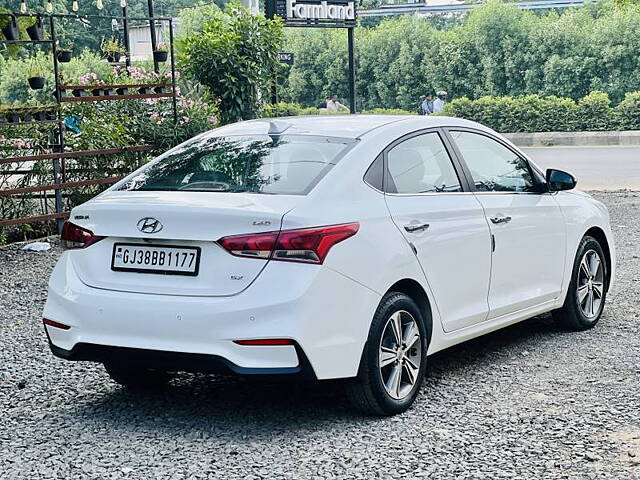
<point x="285" y="165"/>
<point x="421" y="164"/>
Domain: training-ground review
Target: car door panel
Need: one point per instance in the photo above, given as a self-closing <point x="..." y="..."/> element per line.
<point x="527" y="224"/>
<point x="528" y="258"/>
<point x="447" y="229"/>
<point x="454" y="252"/>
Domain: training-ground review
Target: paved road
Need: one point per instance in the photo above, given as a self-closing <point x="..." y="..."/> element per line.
<point x="596" y="168"/>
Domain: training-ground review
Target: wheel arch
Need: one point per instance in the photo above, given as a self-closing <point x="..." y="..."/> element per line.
<point x="417" y="293"/>
<point x="601" y="237"/>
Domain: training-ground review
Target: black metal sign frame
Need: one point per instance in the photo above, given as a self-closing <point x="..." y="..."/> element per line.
<point x="321" y="14"/>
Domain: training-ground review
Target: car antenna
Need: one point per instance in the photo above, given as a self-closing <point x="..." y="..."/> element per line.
<point x="277" y="128"/>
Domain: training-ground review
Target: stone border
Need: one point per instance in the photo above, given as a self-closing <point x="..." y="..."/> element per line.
<point x="549" y="139"/>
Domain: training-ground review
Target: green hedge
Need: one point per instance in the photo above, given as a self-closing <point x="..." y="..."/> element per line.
<point x="533" y="113"/>
<point x="498" y="49"/>
<point x="284" y="109"/>
<point x="530" y="113"/>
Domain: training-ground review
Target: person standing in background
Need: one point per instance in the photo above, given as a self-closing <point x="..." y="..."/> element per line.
<point x="333" y="105"/>
<point x="438" y="103"/>
<point x="426" y="107"/>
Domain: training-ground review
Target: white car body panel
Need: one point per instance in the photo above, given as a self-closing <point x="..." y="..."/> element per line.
<point x="326" y="309"/>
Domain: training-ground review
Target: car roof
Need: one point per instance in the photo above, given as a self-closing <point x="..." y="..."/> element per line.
<point x="344" y="125"/>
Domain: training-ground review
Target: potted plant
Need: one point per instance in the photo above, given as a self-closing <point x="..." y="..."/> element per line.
<point x="11" y="31"/>
<point x="64" y="53"/>
<point x="27" y="115"/>
<point x="40" y="114"/>
<point x="36" y="77"/>
<point x="12" y="116"/>
<point x="36" y="30"/>
<point x="161" y="53"/>
<point x="112" y="50"/>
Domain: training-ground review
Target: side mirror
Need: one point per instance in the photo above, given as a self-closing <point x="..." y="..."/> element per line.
<point x="559" y="180"/>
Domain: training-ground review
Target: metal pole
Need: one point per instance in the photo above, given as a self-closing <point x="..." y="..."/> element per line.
<point x="274" y="88"/>
<point x="152" y="24"/>
<point x="352" y="70"/>
<point x="125" y="26"/>
<point x="59" y="135"/>
<point x="173" y="74"/>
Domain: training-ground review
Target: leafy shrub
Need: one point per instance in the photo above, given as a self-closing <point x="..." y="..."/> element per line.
<point x="533" y="113"/>
<point x="285" y="109"/>
<point x="234" y="57"/>
<point x="498" y="50"/>
<point x="628" y="112"/>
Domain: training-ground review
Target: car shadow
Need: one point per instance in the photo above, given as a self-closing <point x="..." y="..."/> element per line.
<point x="260" y="409"/>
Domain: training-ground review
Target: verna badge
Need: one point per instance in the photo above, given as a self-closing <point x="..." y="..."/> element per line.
<point x="149" y="225"/>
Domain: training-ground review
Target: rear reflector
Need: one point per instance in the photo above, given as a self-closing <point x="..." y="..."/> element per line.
<point x="308" y="245"/>
<point x="266" y="341"/>
<point x="74" y="236"/>
<point x="53" y="323"/>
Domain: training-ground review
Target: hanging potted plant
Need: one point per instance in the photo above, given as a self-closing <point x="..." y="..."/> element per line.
<point x="36" y="30"/>
<point x="11" y="31"/>
<point x="27" y="115"/>
<point x="63" y="53"/>
<point x="40" y="114"/>
<point x="112" y="50"/>
<point x="161" y="53"/>
<point x="36" y="77"/>
<point x="12" y="116"/>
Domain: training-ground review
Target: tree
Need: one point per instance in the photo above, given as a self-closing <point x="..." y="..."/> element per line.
<point x="233" y="57"/>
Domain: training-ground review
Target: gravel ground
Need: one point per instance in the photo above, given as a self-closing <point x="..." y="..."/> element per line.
<point x="529" y="402"/>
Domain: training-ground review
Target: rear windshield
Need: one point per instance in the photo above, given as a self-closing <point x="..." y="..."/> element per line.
<point x="285" y="165"/>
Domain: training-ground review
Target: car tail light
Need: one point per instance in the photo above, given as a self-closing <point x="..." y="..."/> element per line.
<point x="266" y="341"/>
<point x="53" y="323"/>
<point x="74" y="236"/>
<point x="308" y="245"/>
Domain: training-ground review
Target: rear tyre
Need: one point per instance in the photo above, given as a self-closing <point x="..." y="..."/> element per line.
<point x="394" y="359"/>
<point x="136" y="377"/>
<point x="587" y="292"/>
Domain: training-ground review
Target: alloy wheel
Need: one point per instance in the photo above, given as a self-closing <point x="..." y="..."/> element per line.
<point x="400" y="354"/>
<point x="590" y="284"/>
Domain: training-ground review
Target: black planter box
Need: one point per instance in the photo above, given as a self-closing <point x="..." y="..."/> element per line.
<point x="12" y="117"/>
<point x="64" y="56"/>
<point x="36" y="31"/>
<point x="122" y="91"/>
<point x="96" y="92"/>
<point x="40" y="116"/>
<point x="11" y="31"/>
<point x="27" y="117"/>
<point x="50" y="115"/>
<point x="158" y="90"/>
<point x="79" y="92"/>
<point x="113" y="57"/>
<point x="107" y="92"/>
<point x="36" y="83"/>
<point x="160" y="55"/>
<point x="144" y="90"/>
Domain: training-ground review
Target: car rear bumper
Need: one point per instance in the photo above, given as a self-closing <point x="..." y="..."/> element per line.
<point x="326" y="314"/>
<point x="175" y="361"/>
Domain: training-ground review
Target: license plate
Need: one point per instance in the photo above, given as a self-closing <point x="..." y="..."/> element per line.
<point x="168" y="260"/>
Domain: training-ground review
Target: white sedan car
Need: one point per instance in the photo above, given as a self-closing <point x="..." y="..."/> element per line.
<point x="327" y="247"/>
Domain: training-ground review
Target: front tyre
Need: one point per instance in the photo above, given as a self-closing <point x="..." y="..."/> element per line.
<point x="394" y="358"/>
<point x="136" y="377"/>
<point x="587" y="292"/>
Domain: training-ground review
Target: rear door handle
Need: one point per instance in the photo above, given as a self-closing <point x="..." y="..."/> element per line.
<point x="416" y="227"/>
<point x="501" y="219"/>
